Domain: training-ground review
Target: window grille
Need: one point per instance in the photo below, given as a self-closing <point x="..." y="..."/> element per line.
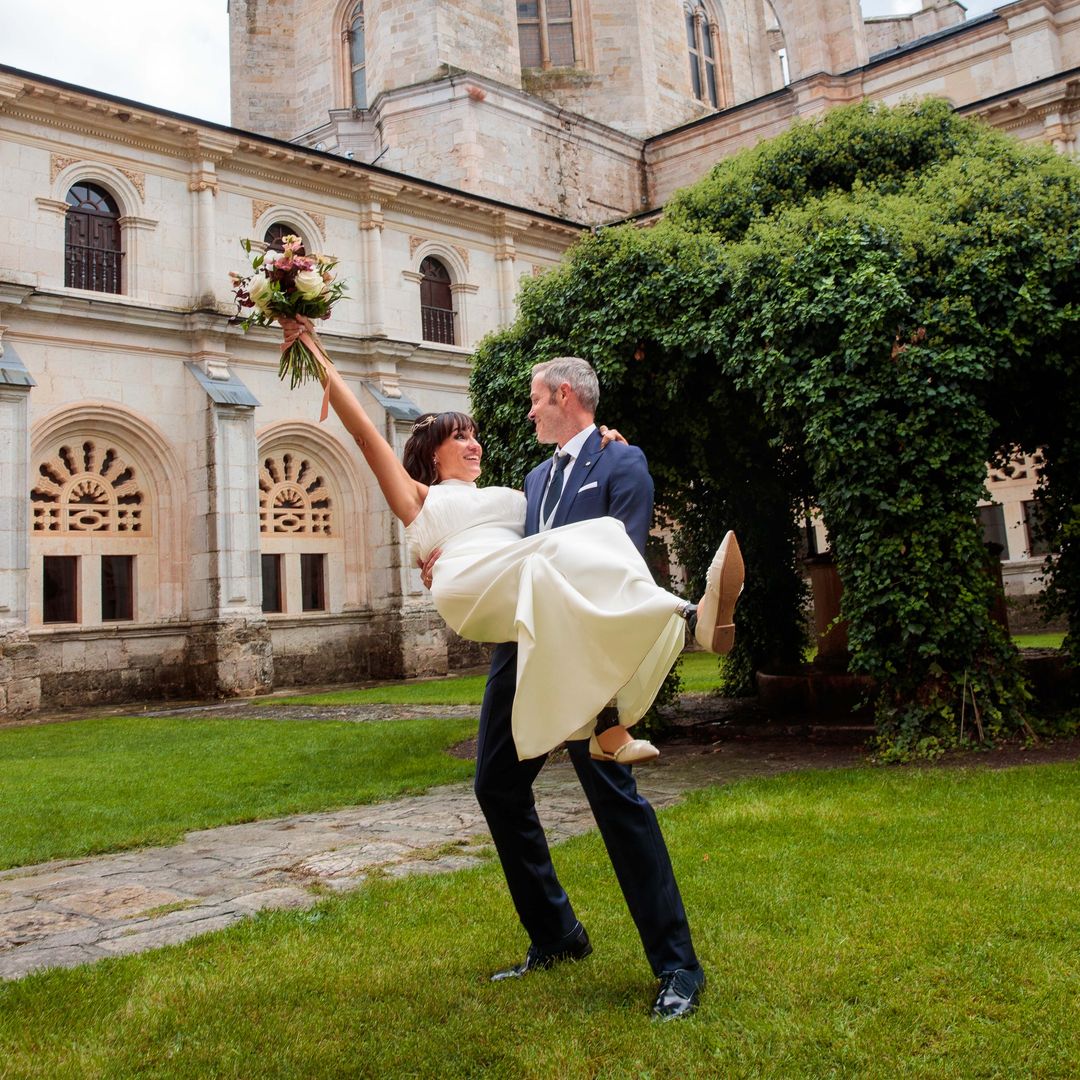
<point x="293" y="497"/>
<point x="83" y="489"/>
<point x="92" y="252"/>
<point x="436" y="302"/>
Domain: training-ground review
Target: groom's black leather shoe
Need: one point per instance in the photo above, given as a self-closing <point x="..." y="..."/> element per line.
<point x="575" y="947"/>
<point x="679" y="994"/>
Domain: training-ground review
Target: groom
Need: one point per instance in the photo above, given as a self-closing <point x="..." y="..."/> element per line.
<point x="592" y="481"/>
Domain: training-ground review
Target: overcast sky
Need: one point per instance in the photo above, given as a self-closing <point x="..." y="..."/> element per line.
<point x="169" y="53"/>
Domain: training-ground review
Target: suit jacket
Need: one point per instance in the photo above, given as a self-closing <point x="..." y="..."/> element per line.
<point x="612" y="482"/>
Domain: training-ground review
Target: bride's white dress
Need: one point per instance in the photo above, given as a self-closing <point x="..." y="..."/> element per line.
<point x="590" y="623"/>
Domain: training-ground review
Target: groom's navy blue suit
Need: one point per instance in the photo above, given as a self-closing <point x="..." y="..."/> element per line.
<point x="614" y="481"/>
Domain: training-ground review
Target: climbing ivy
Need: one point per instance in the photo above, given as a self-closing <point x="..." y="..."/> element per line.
<point x="857" y="315"/>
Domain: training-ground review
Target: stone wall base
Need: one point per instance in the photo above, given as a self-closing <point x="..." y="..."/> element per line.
<point x="110" y="665"/>
<point x="324" y="651"/>
<point x="230" y="658"/>
<point x="79" y="668"/>
<point x="20" y="675"/>
<point x="351" y="649"/>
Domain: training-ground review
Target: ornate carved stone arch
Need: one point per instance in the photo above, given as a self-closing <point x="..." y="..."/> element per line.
<point x="121" y="185"/>
<point x="89" y="486"/>
<point x="312" y="232"/>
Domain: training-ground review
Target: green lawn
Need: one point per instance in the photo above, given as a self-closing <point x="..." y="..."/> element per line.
<point x="700" y="674"/>
<point x="1039" y="641"/>
<point x="100" y="785"/>
<point x="459" y="690"/>
<point x="857" y="923"/>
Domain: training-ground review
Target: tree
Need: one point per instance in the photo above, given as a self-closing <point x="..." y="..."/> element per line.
<point x="858" y="314"/>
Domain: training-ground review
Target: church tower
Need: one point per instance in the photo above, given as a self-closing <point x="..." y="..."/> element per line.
<point x="541" y="102"/>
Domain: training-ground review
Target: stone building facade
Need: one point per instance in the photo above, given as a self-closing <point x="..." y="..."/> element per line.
<point x="173" y="520"/>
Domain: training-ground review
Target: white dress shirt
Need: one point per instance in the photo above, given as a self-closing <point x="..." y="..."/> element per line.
<point x="573" y="447"/>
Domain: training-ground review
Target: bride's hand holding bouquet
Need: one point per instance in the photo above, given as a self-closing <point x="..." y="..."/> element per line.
<point x="290" y="288"/>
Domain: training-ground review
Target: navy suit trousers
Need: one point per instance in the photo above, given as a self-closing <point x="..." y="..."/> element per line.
<point x="626" y="821"/>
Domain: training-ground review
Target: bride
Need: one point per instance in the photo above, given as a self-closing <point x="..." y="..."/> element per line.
<point x="590" y="623"/>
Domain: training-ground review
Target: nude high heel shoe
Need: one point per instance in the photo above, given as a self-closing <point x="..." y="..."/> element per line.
<point x="715" y="630"/>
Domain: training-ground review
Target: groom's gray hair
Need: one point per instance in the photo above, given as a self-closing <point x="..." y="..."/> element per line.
<point x="575" y="371"/>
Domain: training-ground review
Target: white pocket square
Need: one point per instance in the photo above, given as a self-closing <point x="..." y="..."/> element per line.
<point x="586" y="487"/>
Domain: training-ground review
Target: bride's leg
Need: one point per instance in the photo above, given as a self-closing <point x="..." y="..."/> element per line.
<point x="612" y="742"/>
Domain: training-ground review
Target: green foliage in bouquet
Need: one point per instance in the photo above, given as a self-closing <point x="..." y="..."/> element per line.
<point x="287" y="283"/>
<point x="856" y="317"/>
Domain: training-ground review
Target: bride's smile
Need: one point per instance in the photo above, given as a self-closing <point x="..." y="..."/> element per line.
<point x="458" y="456"/>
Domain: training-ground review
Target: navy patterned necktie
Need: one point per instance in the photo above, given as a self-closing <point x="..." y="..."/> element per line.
<point x="551" y="499"/>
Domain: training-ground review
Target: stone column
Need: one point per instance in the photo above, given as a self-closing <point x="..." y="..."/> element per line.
<point x="372" y="271"/>
<point x="211" y="148"/>
<point x="506" y="227"/>
<point x="20" y="683"/>
<point x="230" y="652"/>
<point x="134" y="244"/>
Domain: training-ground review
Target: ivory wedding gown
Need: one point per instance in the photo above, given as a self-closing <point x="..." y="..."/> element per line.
<point x="590" y="623"/>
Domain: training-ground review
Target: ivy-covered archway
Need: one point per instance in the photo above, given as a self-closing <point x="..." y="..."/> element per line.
<point x="858" y="315"/>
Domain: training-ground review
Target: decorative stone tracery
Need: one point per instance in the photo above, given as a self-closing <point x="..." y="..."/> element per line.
<point x="83" y="489"/>
<point x="293" y="497"/>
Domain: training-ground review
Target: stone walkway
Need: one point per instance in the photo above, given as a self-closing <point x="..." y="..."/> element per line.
<point x="68" y="912"/>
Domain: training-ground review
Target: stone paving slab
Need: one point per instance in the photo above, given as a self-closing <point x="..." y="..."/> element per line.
<point x="69" y="912"/>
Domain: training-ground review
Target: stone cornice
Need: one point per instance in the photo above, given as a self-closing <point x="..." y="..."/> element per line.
<point x="57" y="206"/>
<point x="11" y="89"/>
<point x="127" y="125"/>
<point x="14" y="293"/>
<point x="86" y="307"/>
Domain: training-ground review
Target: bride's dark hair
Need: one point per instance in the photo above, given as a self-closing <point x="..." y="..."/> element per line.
<point x="428" y="433"/>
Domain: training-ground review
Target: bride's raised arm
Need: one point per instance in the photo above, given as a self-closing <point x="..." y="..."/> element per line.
<point x="404" y="494"/>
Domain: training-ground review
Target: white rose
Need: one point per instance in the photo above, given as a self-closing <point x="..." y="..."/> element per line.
<point x="258" y="289"/>
<point x="309" y="284"/>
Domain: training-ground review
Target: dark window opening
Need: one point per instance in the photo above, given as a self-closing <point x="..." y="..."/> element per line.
<point x="60" y="589"/>
<point x="992" y="520"/>
<point x="1037" y="541"/>
<point x="271" y="583"/>
<point x="117" y="588"/>
<point x="313" y="582"/>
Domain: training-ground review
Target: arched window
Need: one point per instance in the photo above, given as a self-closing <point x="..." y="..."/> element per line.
<point x="436" y="302"/>
<point x="298" y="537"/>
<point x="357" y="57"/>
<point x="546" y="33"/>
<point x="90" y="509"/>
<point x="92" y="246"/>
<point x="276" y="231"/>
<point x="700" y="41"/>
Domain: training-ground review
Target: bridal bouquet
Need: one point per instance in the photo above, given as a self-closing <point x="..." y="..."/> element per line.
<point x="292" y="288"/>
